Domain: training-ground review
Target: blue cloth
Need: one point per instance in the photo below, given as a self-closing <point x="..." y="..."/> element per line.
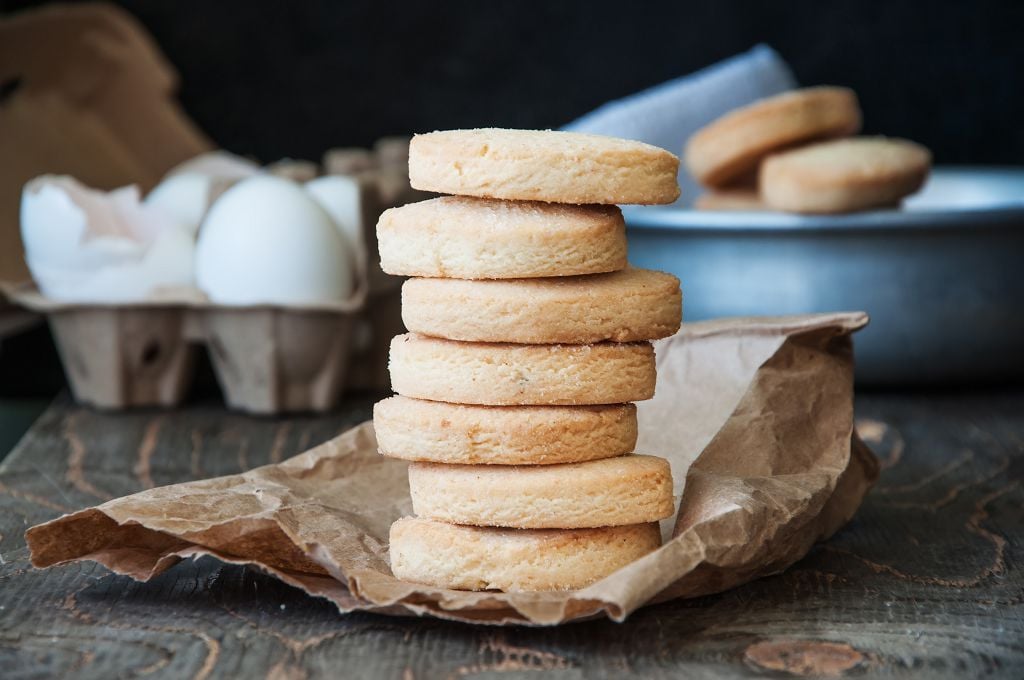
<point x="667" y="114"/>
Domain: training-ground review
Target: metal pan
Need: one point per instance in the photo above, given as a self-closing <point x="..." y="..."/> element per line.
<point x="942" y="278"/>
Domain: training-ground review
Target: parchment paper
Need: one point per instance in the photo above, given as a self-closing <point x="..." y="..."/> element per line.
<point x="756" y="416"/>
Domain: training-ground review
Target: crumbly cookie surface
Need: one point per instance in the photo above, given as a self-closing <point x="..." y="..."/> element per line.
<point x="434" y="431"/>
<point x="474" y="238"/>
<point x="623" y="306"/>
<point x="507" y="374"/>
<point x="609" y="492"/>
<point x="513" y="560"/>
<point x="543" y="165"/>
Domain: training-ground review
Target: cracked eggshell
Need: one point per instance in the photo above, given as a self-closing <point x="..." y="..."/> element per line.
<point x="266" y="241"/>
<point x="83" y="245"/>
<point x="166" y="264"/>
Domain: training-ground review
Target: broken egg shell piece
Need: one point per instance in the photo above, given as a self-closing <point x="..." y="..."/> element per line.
<point x="87" y="245"/>
<point x="66" y="224"/>
<point x="55" y="215"/>
<point x="267" y="241"/>
<point x="166" y="265"/>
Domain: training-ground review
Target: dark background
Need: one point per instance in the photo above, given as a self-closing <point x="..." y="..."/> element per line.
<point x="272" y="78"/>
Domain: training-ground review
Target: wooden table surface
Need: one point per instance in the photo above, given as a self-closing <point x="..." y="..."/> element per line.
<point x="927" y="581"/>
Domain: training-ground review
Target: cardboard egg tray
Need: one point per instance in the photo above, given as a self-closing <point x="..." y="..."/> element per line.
<point x="267" y="359"/>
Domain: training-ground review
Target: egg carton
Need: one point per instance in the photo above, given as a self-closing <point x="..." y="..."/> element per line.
<point x="267" y="359"/>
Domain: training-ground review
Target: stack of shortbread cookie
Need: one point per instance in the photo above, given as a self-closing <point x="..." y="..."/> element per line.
<point x="529" y="341"/>
<point x="794" y="152"/>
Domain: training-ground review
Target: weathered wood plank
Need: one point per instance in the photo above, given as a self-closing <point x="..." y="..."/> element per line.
<point x="926" y="581"/>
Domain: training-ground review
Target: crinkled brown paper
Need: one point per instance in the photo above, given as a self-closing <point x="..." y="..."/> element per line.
<point x="762" y="408"/>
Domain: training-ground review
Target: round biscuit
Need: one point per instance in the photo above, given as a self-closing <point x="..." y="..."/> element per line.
<point x="598" y="493"/>
<point x="543" y="165"/>
<point x="730" y="147"/>
<point x="435" y="431"/>
<point x="623" y="306"/>
<point x="478" y="238"/>
<point x="505" y="374"/>
<point x="844" y="175"/>
<point x="734" y="200"/>
<point x="513" y="560"/>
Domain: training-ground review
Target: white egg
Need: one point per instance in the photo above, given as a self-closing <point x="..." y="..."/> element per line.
<point x="186" y="196"/>
<point x="265" y="241"/>
<point x="342" y="198"/>
<point x="189" y="189"/>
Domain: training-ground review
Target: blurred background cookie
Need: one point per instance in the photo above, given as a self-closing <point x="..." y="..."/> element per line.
<point x="743" y="200"/>
<point x="844" y="175"/>
<point x="733" y="145"/>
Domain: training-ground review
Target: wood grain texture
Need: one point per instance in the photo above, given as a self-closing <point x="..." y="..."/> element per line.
<point x="927" y="581"/>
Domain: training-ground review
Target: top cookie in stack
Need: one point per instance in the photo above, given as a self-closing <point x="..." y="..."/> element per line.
<point x="529" y="339"/>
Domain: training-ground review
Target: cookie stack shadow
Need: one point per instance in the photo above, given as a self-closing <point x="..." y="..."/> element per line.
<point x="529" y="340"/>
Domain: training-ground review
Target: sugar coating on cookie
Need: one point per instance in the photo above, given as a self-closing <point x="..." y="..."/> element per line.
<point x="598" y="493"/>
<point x="477" y="238"/>
<point x="506" y="374"/>
<point x="434" y="431"/>
<point x="513" y="560"/>
<point x="624" y="306"/>
<point x="543" y="165"/>
<point x="844" y="175"/>
<point x="732" y="146"/>
<point x="734" y="200"/>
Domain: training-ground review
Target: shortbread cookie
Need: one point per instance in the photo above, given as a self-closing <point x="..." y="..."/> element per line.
<point x="598" y="493"/>
<point x="506" y="374"/>
<point x="416" y="429"/>
<point x="542" y="165"/>
<point x="844" y="175"/>
<point x="477" y="238"/>
<point x="625" y="306"/>
<point x="735" y="200"/>
<point x="477" y="558"/>
<point x="733" y="145"/>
